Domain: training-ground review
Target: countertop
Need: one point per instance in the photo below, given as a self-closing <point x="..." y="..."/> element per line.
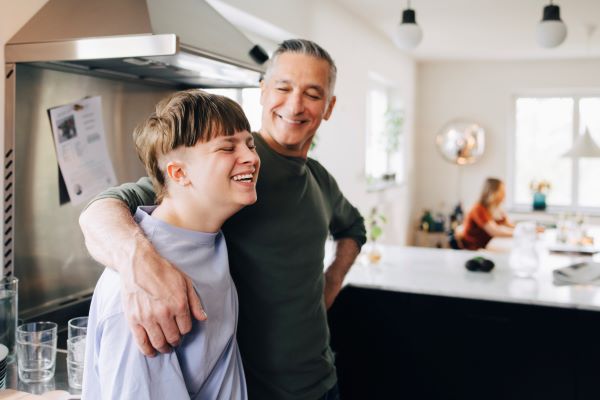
<point x="441" y="272"/>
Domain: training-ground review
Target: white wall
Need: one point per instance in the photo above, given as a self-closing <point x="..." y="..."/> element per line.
<point x="481" y="91"/>
<point x="357" y="50"/>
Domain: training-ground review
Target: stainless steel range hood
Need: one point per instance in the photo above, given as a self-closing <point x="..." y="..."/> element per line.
<point x="183" y="43"/>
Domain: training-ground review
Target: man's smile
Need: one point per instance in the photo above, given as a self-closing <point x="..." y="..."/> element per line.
<point x="291" y="121"/>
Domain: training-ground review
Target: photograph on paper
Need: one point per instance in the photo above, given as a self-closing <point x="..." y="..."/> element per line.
<point x="66" y="129"/>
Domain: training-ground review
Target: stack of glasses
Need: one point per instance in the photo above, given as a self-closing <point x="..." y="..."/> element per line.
<point x="3" y="365"/>
<point x="76" y="350"/>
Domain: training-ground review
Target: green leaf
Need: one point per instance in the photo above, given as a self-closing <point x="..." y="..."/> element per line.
<point x="376" y="231"/>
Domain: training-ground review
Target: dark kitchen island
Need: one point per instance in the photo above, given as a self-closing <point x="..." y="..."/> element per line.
<point x="420" y="326"/>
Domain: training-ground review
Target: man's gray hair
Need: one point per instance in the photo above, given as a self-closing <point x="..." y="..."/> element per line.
<point x="309" y="48"/>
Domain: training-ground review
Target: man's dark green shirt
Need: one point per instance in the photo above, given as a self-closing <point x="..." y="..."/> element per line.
<point x="276" y="251"/>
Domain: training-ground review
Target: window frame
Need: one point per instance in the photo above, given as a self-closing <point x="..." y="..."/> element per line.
<point x="394" y="100"/>
<point x="576" y="95"/>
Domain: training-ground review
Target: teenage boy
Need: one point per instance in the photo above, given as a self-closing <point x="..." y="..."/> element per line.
<point x="202" y="161"/>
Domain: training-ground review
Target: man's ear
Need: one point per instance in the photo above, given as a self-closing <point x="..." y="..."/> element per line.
<point x="329" y="108"/>
<point x="176" y="172"/>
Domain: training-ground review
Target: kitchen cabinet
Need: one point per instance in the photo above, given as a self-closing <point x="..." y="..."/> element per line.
<point x="397" y="345"/>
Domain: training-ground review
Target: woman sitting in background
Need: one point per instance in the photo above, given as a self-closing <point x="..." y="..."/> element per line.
<point x="486" y="219"/>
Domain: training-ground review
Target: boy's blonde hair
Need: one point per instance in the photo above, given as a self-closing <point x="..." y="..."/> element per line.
<point x="184" y="119"/>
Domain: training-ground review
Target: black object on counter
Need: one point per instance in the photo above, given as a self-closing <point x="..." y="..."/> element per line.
<point x="479" y="264"/>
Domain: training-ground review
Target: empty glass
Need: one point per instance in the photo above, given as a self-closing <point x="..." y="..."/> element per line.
<point x="76" y="350"/>
<point x="8" y="314"/>
<point x="36" y="351"/>
<point x="524" y="259"/>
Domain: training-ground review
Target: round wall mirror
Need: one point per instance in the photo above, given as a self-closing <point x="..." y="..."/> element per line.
<point x="461" y="142"/>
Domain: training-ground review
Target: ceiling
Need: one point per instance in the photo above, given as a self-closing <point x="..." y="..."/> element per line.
<point x="486" y="29"/>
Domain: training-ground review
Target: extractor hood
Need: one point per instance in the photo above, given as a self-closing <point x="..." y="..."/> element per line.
<point x="183" y="43"/>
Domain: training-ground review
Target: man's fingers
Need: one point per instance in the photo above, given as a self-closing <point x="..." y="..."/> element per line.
<point x="157" y="338"/>
<point x="195" y="303"/>
<point x="142" y="341"/>
<point x="183" y="317"/>
<point x="159" y="320"/>
<point x="170" y="330"/>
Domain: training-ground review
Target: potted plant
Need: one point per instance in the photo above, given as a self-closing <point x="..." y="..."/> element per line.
<point x="394" y="122"/>
<point x="375" y="221"/>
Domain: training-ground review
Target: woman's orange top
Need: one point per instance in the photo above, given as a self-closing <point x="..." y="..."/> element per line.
<point x="474" y="236"/>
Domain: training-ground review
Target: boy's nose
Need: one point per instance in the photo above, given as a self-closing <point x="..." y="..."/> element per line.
<point x="248" y="156"/>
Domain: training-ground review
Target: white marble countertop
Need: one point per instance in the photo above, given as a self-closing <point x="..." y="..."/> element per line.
<point x="441" y="272"/>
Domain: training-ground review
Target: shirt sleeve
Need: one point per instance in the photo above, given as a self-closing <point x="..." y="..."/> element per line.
<point x="346" y="220"/>
<point x="125" y="373"/>
<point x="140" y="193"/>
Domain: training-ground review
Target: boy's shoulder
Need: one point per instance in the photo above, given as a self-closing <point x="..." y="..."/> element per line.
<point x="107" y="296"/>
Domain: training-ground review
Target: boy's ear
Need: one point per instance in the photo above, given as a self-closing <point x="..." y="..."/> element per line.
<point x="176" y="172"/>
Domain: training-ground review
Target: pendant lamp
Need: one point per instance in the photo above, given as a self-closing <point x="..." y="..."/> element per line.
<point x="408" y="34"/>
<point x="584" y="147"/>
<point x="551" y="31"/>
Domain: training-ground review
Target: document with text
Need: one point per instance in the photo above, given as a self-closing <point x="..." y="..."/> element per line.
<point x="81" y="149"/>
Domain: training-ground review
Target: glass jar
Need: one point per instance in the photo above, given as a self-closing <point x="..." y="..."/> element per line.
<point x="524" y="258"/>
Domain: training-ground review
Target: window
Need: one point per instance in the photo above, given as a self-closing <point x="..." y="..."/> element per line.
<point x="384" y="137"/>
<point x="249" y="99"/>
<point x="545" y="129"/>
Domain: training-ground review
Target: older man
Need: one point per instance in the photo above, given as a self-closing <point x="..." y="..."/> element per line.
<point x="276" y="247"/>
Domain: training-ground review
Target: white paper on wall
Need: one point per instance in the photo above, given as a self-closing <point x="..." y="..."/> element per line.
<point x="80" y="143"/>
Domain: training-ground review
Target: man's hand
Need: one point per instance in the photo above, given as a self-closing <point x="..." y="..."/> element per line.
<point x="345" y="254"/>
<point x="158" y="299"/>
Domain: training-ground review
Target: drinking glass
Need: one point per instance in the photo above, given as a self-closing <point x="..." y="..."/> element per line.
<point x="76" y="350"/>
<point x="524" y="259"/>
<point x="8" y="314"/>
<point x="36" y="351"/>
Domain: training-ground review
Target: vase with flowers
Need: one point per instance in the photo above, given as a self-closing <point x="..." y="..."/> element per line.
<point x="540" y="189"/>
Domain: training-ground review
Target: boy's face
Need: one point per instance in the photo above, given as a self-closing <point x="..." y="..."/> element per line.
<point x="222" y="172"/>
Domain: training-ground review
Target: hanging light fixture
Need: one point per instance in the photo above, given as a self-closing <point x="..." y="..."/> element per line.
<point x="551" y="31"/>
<point x="408" y="34"/>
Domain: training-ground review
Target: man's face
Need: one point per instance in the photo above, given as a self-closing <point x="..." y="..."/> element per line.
<point x="295" y="98"/>
<point x="223" y="171"/>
